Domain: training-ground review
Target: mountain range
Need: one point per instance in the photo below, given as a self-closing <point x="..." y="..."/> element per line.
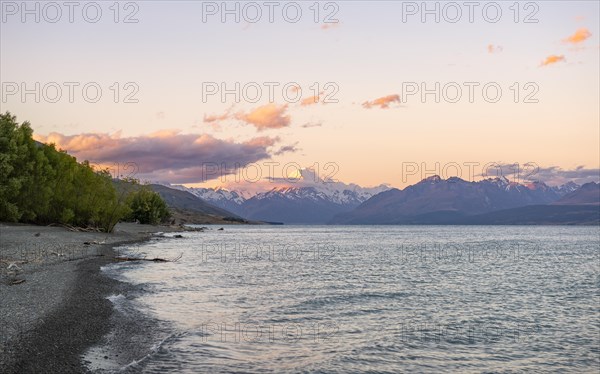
<point x="490" y="201"/>
<point x="307" y="200"/>
<point x="433" y="200"/>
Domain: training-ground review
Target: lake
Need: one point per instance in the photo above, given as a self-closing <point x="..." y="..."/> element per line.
<point x="383" y="299"/>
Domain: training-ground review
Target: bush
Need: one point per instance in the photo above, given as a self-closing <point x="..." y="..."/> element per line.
<point x="147" y="207"/>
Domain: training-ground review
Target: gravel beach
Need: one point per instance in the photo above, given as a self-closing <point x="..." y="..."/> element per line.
<point x="53" y="299"/>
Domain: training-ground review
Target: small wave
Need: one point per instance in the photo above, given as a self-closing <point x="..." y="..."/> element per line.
<point x="153" y="350"/>
<point x="116" y="298"/>
<point x="118" y="302"/>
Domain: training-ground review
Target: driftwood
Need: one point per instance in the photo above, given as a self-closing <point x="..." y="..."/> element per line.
<point x="76" y="228"/>
<point x="156" y="259"/>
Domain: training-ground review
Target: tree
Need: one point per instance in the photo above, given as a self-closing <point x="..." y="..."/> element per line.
<point x="147" y="206"/>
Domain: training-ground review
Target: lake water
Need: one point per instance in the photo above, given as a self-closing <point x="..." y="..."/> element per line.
<point x="383" y="299"/>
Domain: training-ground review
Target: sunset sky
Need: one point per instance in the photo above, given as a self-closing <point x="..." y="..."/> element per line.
<point x="369" y="58"/>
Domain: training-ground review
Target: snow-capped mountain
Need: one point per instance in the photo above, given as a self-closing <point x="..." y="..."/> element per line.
<point x="221" y="197"/>
<point x="311" y="200"/>
<point x="310" y="186"/>
<point x="566" y="188"/>
<point x="306" y="205"/>
<point x="307" y="200"/>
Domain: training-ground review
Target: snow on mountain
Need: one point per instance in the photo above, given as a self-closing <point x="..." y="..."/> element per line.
<point x="221" y="194"/>
<point x="504" y="183"/>
<point x="309" y="198"/>
<point x="310" y="186"/>
<point x="566" y="188"/>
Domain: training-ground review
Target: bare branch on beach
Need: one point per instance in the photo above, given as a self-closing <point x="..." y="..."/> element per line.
<point x="156" y="259"/>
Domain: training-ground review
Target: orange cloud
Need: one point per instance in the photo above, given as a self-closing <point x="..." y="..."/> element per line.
<point x="215" y="118"/>
<point x="170" y="157"/>
<point x="311" y="100"/>
<point x="268" y="116"/>
<point x="552" y="59"/>
<point x="382" y="102"/>
<point x="579" y="36"/>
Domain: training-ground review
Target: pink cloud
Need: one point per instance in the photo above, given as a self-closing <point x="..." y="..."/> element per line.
<point x="216" y="118"/>
<point x="165" y="155"/>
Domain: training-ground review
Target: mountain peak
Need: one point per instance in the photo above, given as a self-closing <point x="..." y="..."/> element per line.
<point x="500" y="181"/>
<point x="432" y="179"/>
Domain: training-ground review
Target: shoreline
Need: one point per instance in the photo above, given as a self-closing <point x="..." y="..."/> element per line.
<point x="62" y="309"/>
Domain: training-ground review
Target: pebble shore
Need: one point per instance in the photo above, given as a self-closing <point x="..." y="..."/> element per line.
<point x="53" y="298"/>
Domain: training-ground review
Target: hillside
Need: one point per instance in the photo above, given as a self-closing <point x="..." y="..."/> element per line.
<point x="187" y="208"/>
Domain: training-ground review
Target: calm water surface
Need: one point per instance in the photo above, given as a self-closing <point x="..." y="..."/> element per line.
<point x="374" y="299"/>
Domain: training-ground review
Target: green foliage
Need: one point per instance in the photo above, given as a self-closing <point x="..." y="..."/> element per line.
<point x="21" y="166"/>
<point x="147" y="207"/>
<point x="39" y="184"/>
